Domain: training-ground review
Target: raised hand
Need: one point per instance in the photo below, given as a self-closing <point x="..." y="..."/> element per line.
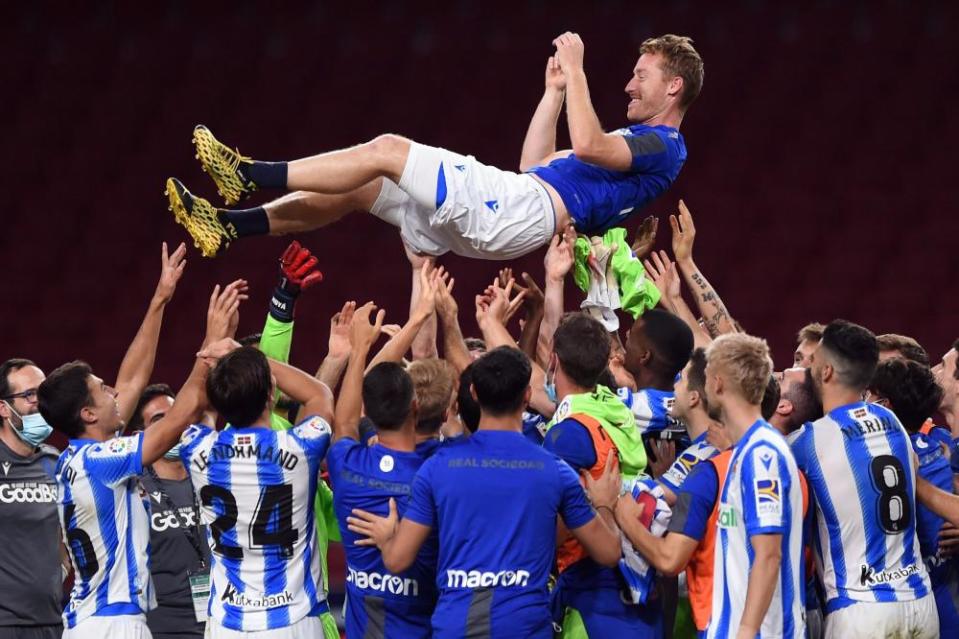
<point x="533" y="298"/>
<point x="426" y="303"/>
<point x="442" y="287"/>
<point x="555" y="78"/>
<point x="658" y="267"/>
<point x="171" y="270"/>
<point x="298" y="270"/>
<point x="376" y="530"/>
<point x="212" y="353"/>
<point x="645" y="237"/>
<point x="684" y="233"/>
<point x="339" y="344"/>
<point x="559" y="256"/>
<point x="222" y="315"/>
<point x="363" y="331"/>
<point x="569" y="52"/>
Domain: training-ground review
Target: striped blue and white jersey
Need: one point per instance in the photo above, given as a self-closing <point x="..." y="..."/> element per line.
<point x="256" y="488"/>
<point x="652" y="408"/>
<point x="859" y="464"/>
<point x="762" y="495"/>
<point x="105" y="517"/>
<point x="699" y="451"/>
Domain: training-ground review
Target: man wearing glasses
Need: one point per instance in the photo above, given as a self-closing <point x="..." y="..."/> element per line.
<point x="31" y="576"/>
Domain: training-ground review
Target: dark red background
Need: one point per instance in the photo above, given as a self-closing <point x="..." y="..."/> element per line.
<point x="821" y="163"/>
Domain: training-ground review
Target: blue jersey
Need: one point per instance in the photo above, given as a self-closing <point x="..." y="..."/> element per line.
<point x="652" y="408"/>
<point x="599" y="199"/>
<point x="494" y="498"/>
<point x="534" y="427"/>
<point x="256" y="489"/>
<point x="762" y="495"/>
<point x="859" y="465"/>
<point x="380" y="604"/>
<point x="105" y="517"/>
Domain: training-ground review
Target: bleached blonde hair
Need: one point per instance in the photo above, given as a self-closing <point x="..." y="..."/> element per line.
<point x="745" y="361"/>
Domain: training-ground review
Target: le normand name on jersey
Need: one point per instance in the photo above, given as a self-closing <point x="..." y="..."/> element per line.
<point x="243" y="447"/>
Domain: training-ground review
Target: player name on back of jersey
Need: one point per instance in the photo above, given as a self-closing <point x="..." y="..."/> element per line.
<point x="865" y="423"/>
<point x="243" y="447"/>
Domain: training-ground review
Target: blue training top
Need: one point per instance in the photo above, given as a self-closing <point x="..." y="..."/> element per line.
<point x="599" y="199"/>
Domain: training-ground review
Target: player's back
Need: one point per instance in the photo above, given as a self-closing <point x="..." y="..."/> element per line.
<point x="379" y="603"/>
<point x="859" y="464"/>
<point x="651" y="408"/>
<point x="494" y="498"/>
<point x="256" y="489"/>
<point x="106" y="524"/>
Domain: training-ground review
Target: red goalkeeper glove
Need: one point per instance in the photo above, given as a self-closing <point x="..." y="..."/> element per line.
<point x="297" y="272"/>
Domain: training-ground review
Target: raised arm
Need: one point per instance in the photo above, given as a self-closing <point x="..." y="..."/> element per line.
<point x="558" y="262"/>
<point x="454" y="347"/>
<point x="400" y="343"/>
<point x="540" y="139"/>
<point x="533" y="306"/>
<point x="137" y="365"/>
<point x="590" y="143"/>
<point x="338" y="347"/>
<point x="315" y="396"/>
<point x="350" y="402"/>
<point x="191" y="400"/>
<point x="715" y="316"/>
<point x="424" y="340"/>
<point x="666" y="278"/>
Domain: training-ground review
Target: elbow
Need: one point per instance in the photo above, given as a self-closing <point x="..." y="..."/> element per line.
<point x="587" y="151"/>
<point x="670" y="567"/>
<point x="395" y="565"/>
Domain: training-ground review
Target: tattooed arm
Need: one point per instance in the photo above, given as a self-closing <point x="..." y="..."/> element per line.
<point x="716" y="318"/>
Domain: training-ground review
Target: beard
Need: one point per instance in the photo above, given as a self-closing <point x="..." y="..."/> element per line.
<point x="814" y="384"/>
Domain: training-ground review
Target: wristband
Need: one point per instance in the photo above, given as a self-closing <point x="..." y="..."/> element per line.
<point x="282" y="304"/>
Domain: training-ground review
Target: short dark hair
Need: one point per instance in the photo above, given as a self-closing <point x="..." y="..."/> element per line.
<point x="388" y="394"/>
<point x="855" y="351"/>
<point x="500" y="379"/>
<point x="469" y="409"/>
<point x="63" y="394"/>
<point x="149" y="393"/>
<point x="669" y="338"/>
<point x="770" y="398"/>
<point x="905" y="346"/>
<point x="252" y="339"/>
<point x="12" y="365"/>
<point x="696" y="376"/>
<point x="581" y="344"/>
<point x="911" y="389"/>
<point x="239" y="386"/>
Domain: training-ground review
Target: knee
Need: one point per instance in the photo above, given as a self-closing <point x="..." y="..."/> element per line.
<point x="390" y="145"/>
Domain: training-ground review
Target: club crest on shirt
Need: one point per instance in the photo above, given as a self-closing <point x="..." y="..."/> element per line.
<point x="386" y="463"/>
<point x="562" y="411"/>
<point x="190" y="434"/>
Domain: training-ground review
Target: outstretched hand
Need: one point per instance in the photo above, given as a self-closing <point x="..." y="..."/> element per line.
<point x="377" y="530"/>
<point x="363" y="331"/>
<point x="171" y="270"/>
<point x="684" y="233"/>
<point x="212" y="353"/>
<point x="442" y="287"/>
<point x="223" y="313"/>
<point x="663" y="274"/>
<point x="645" y="237"/>
<point x="339" y="343"/>
<point x="560" y="255"/>
<point x="426" y="303"/>
<point x="298" y="270"/>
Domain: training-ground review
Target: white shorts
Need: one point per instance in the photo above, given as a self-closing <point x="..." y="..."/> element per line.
<point x="917" y="619"/>
<point x="450" y="202"/>
<point x="119" y="627"/>
<point x="305" y="628"/>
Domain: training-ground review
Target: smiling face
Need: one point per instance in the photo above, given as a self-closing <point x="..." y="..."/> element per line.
<point x="103" y="411"/>
<point x="648" y="89"/>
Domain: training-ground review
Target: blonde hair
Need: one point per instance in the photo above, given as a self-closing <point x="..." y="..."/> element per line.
<point x="679" y="59"/>
<point x="811" y="332"/>
<point x="433" y="385"/>
<point x="747" y="362"/>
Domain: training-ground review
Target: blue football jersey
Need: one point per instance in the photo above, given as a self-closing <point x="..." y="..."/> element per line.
<point x="494" y="498"/>
<point x="599" y="199"/>
<point x="698" y="451"/>
<point x="256" y="489"/>
<point x="105" y="517"/>
<point x="380" y="604"/>
<point x="651" y="408"/>
<point x="859" y="465"/>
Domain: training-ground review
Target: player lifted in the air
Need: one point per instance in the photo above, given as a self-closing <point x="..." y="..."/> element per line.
<point x="443" y="201"/>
